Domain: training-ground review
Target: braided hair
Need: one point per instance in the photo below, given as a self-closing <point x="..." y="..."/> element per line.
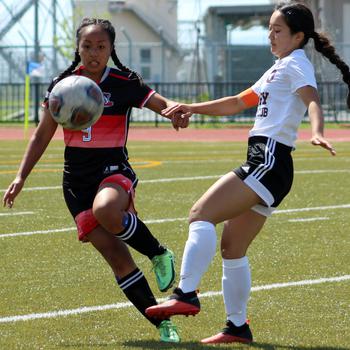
<point x="299" y="18"/>
<point x="106" y="26"/>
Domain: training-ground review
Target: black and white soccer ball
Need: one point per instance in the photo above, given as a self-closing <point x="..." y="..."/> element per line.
<point x="76" y="102"/>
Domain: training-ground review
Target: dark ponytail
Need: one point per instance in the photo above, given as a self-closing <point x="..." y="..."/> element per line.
<point x="299" y="18"/>
<point x="123" y="68"/>
<point x="323" y="45"/>
<point x="70" y="69"/>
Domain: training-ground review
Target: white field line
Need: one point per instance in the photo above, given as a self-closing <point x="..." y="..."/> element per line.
<point x="160" y="221"/>
<point x="39" y="188"/>
<point x="17" y="213"/>
<point x="189" y="178"/>
<point x="309" y="219"/>
<point x="86" y="309"/>
<point x="327" y="207"/>
<point x="336" y="171"/>
<point x="173" y="179"/>
<point x="31" y="233"/>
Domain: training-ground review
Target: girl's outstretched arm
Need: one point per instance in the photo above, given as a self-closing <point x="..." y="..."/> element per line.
<point x="310" y="97"/>
<point x="229" y="105"/>
<point x="36" y="147"/>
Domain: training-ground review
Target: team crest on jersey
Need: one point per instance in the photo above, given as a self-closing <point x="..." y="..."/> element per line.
<point x="271" y="76"/>
<point x="107" y="99"/>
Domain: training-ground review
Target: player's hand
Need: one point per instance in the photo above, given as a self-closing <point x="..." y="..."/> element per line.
<point x="12" y="192"/>
<point x="178" y="109"/>
<point x="180" y="121"/>
<point x="318" y="140"/>
<point x="179" y="114"/>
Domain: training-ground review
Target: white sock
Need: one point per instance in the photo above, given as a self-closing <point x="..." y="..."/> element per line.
<point x="236" y="285"/>
<point x="199" y="251"/>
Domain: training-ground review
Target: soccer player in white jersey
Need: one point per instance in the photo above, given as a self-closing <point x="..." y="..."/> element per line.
<point x="246" y="196"/>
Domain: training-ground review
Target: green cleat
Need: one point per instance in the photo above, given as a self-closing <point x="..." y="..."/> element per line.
<point x="168" y="332"/>
<point x="164" y="268"/>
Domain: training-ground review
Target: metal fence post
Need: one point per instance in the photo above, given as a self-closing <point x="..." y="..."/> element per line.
<point x="156" y="121"/>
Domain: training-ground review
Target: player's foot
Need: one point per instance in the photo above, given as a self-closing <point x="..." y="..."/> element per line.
<point x="168" y="332"/>
<point x="164" y="269"/>
<point x="179" y="303"/>
<point x="231" y="334"/>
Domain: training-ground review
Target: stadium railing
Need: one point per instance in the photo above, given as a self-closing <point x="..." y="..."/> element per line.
<point x="332" y="94"/>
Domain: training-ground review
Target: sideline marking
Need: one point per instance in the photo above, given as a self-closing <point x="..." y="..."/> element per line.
<point x="85" y="309"/>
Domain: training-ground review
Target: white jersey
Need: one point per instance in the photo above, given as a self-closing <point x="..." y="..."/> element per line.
<point x="280" y="108"/>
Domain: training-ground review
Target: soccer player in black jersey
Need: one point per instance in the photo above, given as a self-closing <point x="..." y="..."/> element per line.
<point x="98" y="181"/>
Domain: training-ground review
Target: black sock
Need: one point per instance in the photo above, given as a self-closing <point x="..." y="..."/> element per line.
<point x="138" y="236"/>
<point x="136" y="288"/>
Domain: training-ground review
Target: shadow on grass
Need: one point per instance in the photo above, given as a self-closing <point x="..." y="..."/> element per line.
<point x="148" y="345"/>
<point x="267" y="346"/>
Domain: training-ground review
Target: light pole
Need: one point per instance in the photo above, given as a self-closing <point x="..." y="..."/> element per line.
<point x="162" y="77"/>
<point x="123" y="30"/>
<point x="25" y="51"/>
<point x="36" y="58"/>
<point x="54" y="36"/>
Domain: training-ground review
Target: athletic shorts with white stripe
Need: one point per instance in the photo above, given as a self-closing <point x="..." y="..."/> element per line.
<point x="268" y="171"/>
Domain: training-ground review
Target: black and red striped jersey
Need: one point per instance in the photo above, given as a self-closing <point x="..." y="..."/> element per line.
<point x="122" y="91"/>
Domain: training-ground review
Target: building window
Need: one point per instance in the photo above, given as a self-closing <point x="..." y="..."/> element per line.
<point x="145" y="55"/>
<point x="116" y="6"/>
<point x="146" y="72"/>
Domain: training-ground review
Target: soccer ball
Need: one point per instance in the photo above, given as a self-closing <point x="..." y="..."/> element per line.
<point x="76" y="102"/>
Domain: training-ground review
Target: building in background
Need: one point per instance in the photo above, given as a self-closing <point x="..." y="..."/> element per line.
<point x="147" y="38"/>
<point x="212" y="61"/>
<point x="146" y="34"/>
<point x="228" y="61"/>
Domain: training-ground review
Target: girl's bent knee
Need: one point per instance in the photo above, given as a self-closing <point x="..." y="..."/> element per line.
<point x="110" y="220"/>
<point x="196" y="214"/>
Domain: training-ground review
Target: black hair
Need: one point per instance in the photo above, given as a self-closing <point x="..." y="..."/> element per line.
<point x="109" y="29"/>
<point x="299" y="18"/>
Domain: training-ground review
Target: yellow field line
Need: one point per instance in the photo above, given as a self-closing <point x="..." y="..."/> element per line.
<point x="147" y="164"/>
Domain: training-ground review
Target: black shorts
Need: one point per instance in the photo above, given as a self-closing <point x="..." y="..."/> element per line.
<point x="268" y="170"/>
<point x="79" y="194"/>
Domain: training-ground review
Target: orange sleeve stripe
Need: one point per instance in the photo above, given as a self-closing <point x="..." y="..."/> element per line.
<point x="249" y="97"/>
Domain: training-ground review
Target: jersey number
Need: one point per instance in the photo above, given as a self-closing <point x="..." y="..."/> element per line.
<point x="87" y="134"/>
